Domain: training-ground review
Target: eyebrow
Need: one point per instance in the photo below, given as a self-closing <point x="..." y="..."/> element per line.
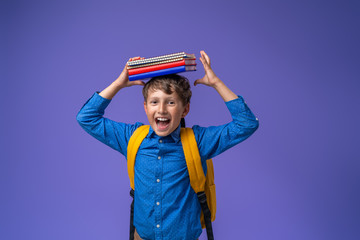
<point x="171" y="97"/>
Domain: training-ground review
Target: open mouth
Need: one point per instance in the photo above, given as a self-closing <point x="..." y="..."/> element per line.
<point x="162" y="123"/>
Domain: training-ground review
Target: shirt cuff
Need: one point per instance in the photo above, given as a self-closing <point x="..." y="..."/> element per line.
<point x="236" y="105"/>
<point x="98" y="101"/>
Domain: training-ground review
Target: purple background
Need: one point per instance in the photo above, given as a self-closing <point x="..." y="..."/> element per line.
<point x="296" y="63"/>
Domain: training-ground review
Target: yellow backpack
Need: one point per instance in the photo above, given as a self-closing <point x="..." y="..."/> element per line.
<point x="203" y="185"/>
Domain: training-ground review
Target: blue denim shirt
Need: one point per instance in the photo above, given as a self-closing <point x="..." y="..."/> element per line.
<point x="165" y="205"/>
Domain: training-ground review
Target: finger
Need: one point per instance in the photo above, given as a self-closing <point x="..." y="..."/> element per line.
<point x="125" y="68"/>
<point x="134" y="58"/>
<point x="205" y="64"/>
<point x="137" y="82"/>
<point x="207" y="59"/>
<point x="203" y="61"/>
<point x="204" y="55"/>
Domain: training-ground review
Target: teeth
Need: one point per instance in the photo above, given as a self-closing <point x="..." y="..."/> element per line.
<point x="162" y="119"/>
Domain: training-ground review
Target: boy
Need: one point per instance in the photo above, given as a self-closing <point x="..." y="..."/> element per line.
<point x="166" y="207"/>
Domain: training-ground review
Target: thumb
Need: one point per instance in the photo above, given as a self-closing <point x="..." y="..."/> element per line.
<point x="197" y="81"/>
<point x="125" y="70"/>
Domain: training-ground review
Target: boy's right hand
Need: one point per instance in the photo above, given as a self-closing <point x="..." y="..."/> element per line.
<point x="123" y="79"/>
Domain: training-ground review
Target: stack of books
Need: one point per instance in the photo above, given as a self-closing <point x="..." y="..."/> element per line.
<point x="161" y="65"/>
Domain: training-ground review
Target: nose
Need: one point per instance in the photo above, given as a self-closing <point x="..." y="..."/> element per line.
<point x="162" y="108"/>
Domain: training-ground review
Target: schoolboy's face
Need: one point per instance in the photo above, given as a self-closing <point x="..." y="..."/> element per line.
<point x="164" y="111"/>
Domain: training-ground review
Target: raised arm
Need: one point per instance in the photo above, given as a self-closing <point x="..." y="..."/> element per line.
<point x="216" y="139"/>
<point x="121" y="82"/>
<point x="90" y="117"/>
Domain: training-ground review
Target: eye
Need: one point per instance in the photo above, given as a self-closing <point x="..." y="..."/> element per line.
<point x="171" y="103"/>
<point x="153" y="102"/>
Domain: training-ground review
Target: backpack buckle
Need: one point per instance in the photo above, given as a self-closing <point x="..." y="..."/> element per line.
<point x="201" y="197"/>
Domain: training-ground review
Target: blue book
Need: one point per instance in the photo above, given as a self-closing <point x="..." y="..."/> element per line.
<point x="162" y="72"/>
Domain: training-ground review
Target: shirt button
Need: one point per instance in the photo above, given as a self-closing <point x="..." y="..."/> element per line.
<point x="159" y="157"/>
<point x="158" y="180"/>
<point x="160" y="141"/>
<point x="157" y="203"/>
<point x="158" y="225"/>
<point x="257" y="119"/>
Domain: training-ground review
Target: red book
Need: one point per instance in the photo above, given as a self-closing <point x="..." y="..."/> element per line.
<point x="186" y="62"/>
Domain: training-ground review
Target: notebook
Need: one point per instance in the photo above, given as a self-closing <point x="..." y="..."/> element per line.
<point x="160" y="58"/>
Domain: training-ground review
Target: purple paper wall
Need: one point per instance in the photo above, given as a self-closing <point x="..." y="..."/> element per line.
<point x="296" y="63"/>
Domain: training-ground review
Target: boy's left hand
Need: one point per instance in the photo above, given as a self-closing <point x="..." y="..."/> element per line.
<point x="210" y="79"/>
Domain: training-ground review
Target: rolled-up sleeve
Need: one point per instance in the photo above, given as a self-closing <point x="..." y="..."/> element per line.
<point x="114" y="134"/>
<point x="216" y="139"/>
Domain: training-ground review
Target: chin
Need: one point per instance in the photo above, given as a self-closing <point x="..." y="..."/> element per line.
<point x="162" y="133"/>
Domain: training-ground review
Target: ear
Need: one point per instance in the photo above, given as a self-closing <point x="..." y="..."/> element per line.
<point x="186" y="110"/>
<point x="145" y="108"/>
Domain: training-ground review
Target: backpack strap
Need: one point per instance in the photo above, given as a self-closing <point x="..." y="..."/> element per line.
<point x="197" y="175"/>
<point x="132" y="227"/>
<point x="193" y="160"/>
<point x="133" y="146"/>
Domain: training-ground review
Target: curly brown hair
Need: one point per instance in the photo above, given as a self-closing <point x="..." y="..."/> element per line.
<point x="169" y="84"/>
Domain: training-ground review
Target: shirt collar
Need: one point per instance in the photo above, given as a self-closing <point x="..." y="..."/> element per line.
<point x="175" y="135"/>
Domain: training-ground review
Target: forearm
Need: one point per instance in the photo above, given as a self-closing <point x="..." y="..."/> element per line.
<point x="224" y="91"/>
<point x="121" y="82"/>
<point x="111" y="90"/>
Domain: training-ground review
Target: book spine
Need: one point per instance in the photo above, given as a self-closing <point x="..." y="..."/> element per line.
<point x="157" y="73"/>
<point x="160" y="58"/>
<point x="156" y="67"/>
<point x="155" y="59"/>
<point x="188" y="61"/>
